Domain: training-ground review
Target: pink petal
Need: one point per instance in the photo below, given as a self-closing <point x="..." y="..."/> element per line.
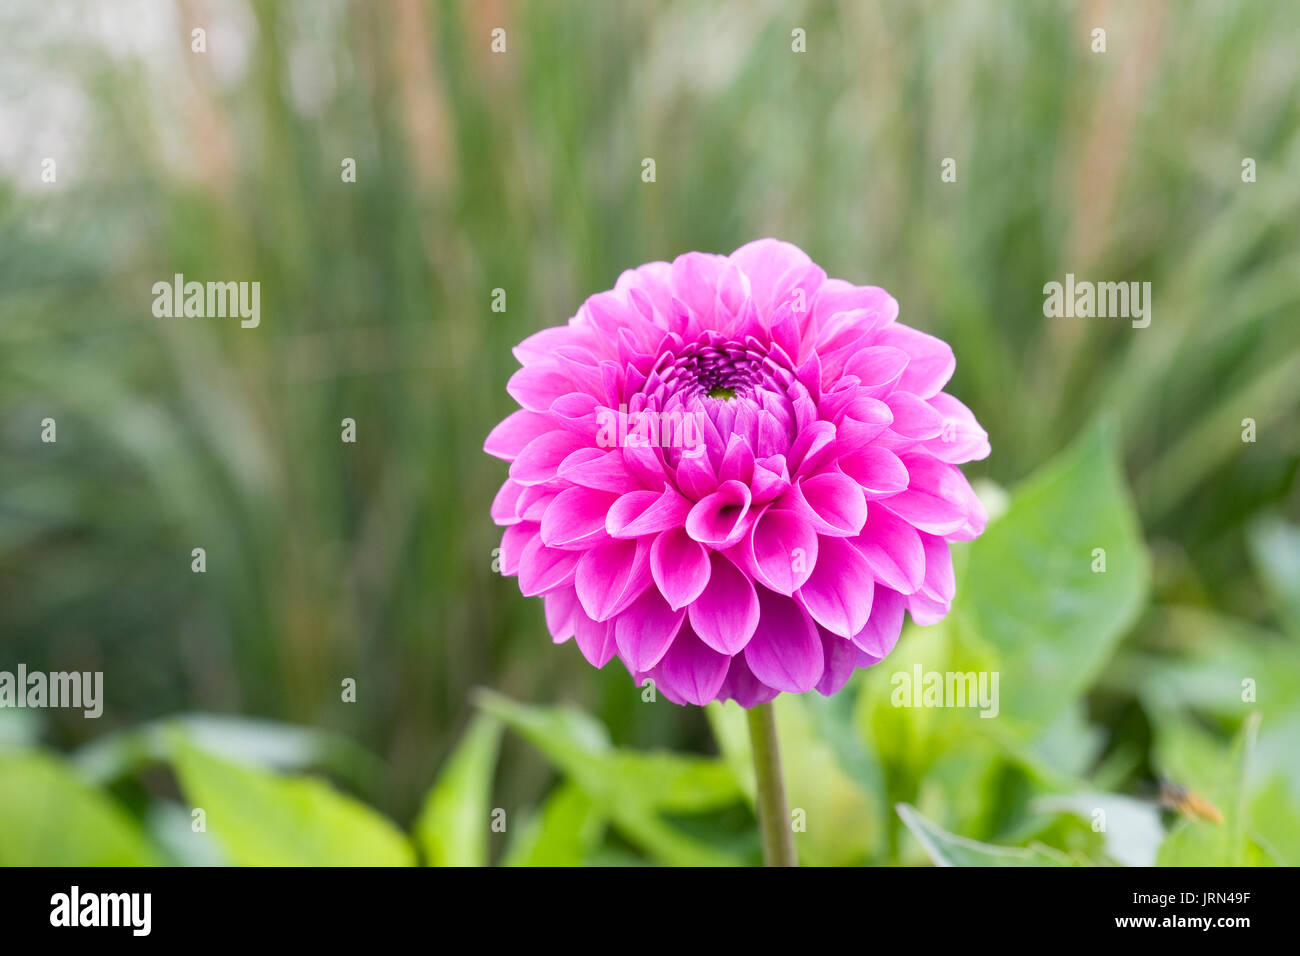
<point x="839" y="592"/>
<point x="503" y="505"/>
<point x="893" y="549"/>
<point x="611" y="575"/>
<point x="593" y="468"/>
<point x="513" y="541"/>
<point x="781" y="550"/>
<point x="877" y="367"/>
<point x="883" y="627"/>
<point x="644" y="631"/>
<point x="913" y="418"/>
<point x="961" y="439"/>
<point x="538" y="386"/>
<point x="691" y="670"/>
<point x="515" y="431"/>
<point x="680" y="567"/>
<point x="646" y="512"/>
<point x="743" y="687"/>
<point x="877" y="471"/>
<point x="833" y="503"/>
<point x="930" y="360"/>
<point x="594" y="638"/>
<point x="785" y="652"/>
<point x="720" y="519"/>
<point x="725" y="614"/>
<point x="543" y="569"/>
<point x="576" y="518"/>
<point x="540" y="458"/>
<point x="559" y="606"/>
<point x="842" y="659"/>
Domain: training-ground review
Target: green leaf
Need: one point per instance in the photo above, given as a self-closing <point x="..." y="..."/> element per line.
<point x="49" y="816"/>
<point x="948" y="849"/>
<point x="567" y="832"/>
<point x="628" y="787"/>
<point x="453" y="826"/>
<point x="1031" y="601"/>
<point x="1132" y="828"/>
<point x="261" y="819"/>
<point x="241" y="740"/>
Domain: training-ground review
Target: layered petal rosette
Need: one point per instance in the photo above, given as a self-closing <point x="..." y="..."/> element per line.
<point x="735" y="475"/>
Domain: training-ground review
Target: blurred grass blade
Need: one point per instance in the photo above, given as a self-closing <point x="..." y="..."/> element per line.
<point x="453" y="826"/>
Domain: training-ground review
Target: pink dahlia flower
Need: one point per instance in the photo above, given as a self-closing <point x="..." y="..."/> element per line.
<point x="735" y="475"/>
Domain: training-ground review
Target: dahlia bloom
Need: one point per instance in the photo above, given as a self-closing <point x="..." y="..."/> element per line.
<point x="735" y="475"/>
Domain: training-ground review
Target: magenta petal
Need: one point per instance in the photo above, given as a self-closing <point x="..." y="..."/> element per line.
<point x="877" y="367"/>
<point x="785" y="651"/>
<point x="540" y="458"/>
<point x="926" y="611"/>
<point x="743" y="687"/>
<point x="510" y="436"/>
<point x="841" y="656"/>
<point x="938" y="499"/>
<point x="593" y="468"/>
<point x="560" y="605"/>
<point x="832" y="502"/>
<point x="940" y="583"/>
<point x="575" y="519"/>
<point x="594" y="638"/>
<point x="726" y="612"/>
<point x="781" y="550"/>
<point x="765" y="262"/>
<point x="930" y="360"/>
<point x="680" y="567"/>
<point x="914" y="418"/>
<point x="719" y="519"/>
<point x="893" y="549"/>
<point x="611" y="575"/>
<point x="513" y="541"/>
<point x="644" y="631"/>
<point x="543" y="569"/>
<point x="646" y="512"/>
<point x="885" y="624"/>
<point x="691" y="670"/>
<point x="537" y="386"/>
<point x="503" y="509"/>
<point x="839" y="593"/>
<point x="877" y="471"/>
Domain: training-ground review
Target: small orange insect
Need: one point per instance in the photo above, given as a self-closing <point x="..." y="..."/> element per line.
<point x="1178" y="798"/>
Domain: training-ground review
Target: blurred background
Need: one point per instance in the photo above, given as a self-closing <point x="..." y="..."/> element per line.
<point x="521" y="171"/>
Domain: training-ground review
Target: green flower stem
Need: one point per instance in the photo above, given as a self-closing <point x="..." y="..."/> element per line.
<point x="773" y="818"/>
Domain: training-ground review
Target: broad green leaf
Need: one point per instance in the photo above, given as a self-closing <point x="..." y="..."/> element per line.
<point x="1131" y="827"/>
<point x="262" y="819"/>
<point x="1031" y="600"/>
<point x="49" y="816"/>
<point x="566" y="833"/>
<point x="628" y="787"/>
<point x="241" y="740"/>
<point x="453" y="826"/>
<point x="948" y="849"/>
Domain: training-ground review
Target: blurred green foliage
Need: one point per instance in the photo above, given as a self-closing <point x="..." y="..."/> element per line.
<point x="521" y="171"/>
